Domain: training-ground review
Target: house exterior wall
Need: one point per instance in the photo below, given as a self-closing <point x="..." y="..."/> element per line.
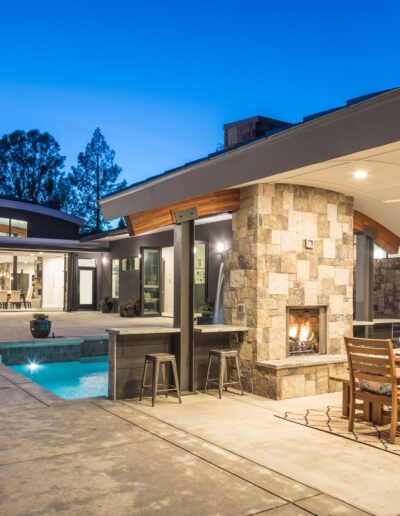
<point x="269" y="267"/>
<point x="43" y="226"/>
<point x="210" y="233"/>
<point x="386" y="288"/>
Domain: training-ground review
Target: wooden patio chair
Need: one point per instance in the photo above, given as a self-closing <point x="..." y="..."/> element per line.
<point x="372" y="377"/>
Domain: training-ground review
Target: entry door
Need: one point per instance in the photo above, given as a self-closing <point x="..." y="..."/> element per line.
<point x="87" y="288"/>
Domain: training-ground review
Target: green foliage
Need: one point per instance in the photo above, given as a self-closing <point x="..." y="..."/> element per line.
<point x="206" y="310"/>
<point x="31" y="168"/>
<point x="94" y="177"/>
<point x="40" y="317"/>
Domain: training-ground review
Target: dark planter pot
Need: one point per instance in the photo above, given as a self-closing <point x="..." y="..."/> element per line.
<point x="40" y="329"/>
<point x="106" y="308"/>
<point x="130" y="313"/>
<point x="121" y="312"/>
<point x="205" y="319"/>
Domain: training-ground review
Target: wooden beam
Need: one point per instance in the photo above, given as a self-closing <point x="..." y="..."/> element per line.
<point x="210" y="204"/>
<point x="384" y="237"/>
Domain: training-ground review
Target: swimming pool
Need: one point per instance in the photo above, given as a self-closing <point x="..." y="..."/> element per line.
<point x="84" y="378"/>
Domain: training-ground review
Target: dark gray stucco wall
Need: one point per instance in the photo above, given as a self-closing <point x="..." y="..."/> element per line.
<point x="43" y="226"/>
<point x="210" y="233"/>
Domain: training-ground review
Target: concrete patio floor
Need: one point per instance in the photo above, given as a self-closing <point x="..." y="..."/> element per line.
<point x="204" y="457"/>
<point x="15" y="325"/>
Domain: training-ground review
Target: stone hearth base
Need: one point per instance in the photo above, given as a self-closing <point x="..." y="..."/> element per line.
<point x="298" y="376"/>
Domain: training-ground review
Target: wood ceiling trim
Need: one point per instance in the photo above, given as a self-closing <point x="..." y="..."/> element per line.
<point x="384" y="237"/>
<point x="206" y="205"/>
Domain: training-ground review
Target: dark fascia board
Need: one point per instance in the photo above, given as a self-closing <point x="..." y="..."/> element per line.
<point x="10" y="243"/>
<point x="42" y="210"/>
<point x="360" y="126"/>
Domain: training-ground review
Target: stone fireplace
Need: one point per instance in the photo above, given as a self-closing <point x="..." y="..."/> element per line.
<point x="292" y="256"/>
<point x="306" y="330"/>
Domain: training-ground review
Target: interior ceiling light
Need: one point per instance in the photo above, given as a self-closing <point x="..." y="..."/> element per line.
<point x="390" y="201"/>
<point x="360" y="174"/>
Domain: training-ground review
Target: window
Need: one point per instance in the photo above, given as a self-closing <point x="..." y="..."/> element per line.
<point x="87" y="262"/>
<point x="115" y="278"/>
<point x="128" y="264"/>
<point x="13" y="227"/>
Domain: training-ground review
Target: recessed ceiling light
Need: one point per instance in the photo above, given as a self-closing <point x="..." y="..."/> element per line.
<point x="360" y="174"/>
<point x="391" y="201"/>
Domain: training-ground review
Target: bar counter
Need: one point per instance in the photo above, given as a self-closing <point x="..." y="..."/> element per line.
<point x="127" y="348"/>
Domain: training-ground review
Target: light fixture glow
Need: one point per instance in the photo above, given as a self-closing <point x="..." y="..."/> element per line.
<point x="194" y="250"/>
<point x="104" y="259"/>
<point x="33" y="366"/>
<point x="360" y="174"/>
<point x="220" y="247"/>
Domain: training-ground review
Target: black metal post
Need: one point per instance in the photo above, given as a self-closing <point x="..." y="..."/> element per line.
<point x="186" y="306"/>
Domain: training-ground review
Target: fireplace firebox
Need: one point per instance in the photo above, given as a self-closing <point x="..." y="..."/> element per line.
<point x="306" y="330"/>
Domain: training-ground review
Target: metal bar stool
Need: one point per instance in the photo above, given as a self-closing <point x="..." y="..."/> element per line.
<point x="222" y="356"/>
<point x="160" y="360"/>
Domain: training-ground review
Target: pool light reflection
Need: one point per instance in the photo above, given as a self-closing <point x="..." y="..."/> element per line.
<point x="33" y="366"/>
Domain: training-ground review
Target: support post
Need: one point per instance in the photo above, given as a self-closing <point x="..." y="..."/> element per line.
<point x="186" y="362"/>
<point x="364" y="277"/>
<point x="177" y="275"/>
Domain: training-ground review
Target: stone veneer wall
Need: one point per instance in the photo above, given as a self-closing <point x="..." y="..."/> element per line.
<point x="269" y="267"/>
<point x="386" y="288"/>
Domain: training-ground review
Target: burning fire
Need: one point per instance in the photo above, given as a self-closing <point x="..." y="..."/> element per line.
<point x="302" y="332"/>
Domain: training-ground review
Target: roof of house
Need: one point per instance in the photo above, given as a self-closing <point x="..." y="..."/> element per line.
<point x="268" y="134"/>
<point x="25" y="205"/>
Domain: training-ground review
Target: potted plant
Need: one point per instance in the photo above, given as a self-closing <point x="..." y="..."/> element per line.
<point x="40" y="326"/>
<point x="131" y="308"/>
<point x="106" y="305"/>
<point x="207" y="314"/>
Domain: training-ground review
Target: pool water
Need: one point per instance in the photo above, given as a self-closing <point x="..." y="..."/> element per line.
<point x="70" y="380"/>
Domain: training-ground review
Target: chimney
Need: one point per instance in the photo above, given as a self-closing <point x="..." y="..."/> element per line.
<point x="248" y="129"/>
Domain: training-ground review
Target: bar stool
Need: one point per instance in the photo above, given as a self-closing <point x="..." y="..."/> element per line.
<point x="160" y="360"/>
<point x="222" y="356"/>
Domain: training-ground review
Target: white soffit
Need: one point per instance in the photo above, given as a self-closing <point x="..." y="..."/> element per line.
<point x="376" y="195"/>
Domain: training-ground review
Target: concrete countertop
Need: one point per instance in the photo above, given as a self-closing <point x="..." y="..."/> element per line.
<point x="376" y="321"/>
<point x="302" y="361"/>
<point x="218" y="328"/>
<point x="206" y="328"/>
<point x="142" y="331"/>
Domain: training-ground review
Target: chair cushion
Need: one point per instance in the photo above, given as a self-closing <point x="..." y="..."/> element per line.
<point x="376" y="387"/>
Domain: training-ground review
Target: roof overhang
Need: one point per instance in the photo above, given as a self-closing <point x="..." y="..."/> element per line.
<point x="323" y="152"/>
<point x="42" y="210"/>
<point x="10" y="243"/>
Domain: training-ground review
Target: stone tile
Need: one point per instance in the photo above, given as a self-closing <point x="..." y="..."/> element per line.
<point x="323" y="504"/>
<point x="278" y="283"/>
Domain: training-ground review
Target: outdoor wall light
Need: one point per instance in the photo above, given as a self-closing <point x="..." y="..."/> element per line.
<point x="360" y="174"/>
<point x="104" y="260"/>
<point x="220" y="247"/>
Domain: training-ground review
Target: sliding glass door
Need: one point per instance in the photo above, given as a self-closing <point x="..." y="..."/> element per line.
<point x="151" y="281"/>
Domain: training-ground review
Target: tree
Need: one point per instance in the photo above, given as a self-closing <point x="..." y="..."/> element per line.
<point x="31" y="168"/>
<point x="94" y="177"/>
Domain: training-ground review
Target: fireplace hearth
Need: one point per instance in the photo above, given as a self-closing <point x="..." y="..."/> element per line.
<point x="306" y="330"/>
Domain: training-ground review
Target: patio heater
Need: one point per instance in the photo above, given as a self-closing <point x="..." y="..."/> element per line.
<point x="183" y="296"/>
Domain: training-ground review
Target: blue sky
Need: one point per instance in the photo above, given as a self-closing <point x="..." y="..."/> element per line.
<point x="161" y="78"/>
